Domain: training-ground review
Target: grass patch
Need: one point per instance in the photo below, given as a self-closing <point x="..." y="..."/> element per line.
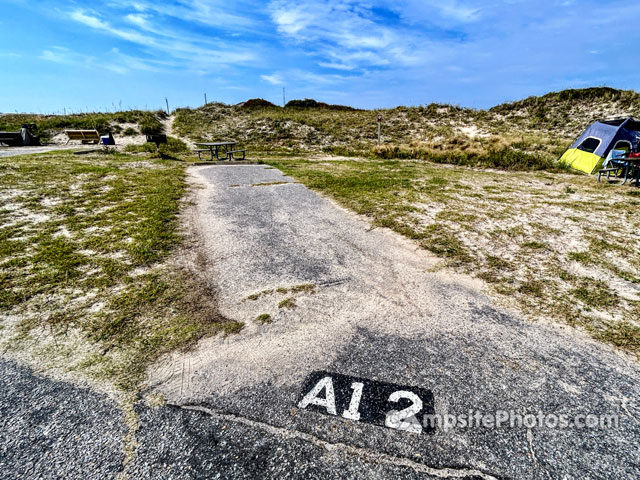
<point x="288" y="303"/>
<point x="89" y="253"/>
<point x="586" y="258"/>
<point x="481" y="224"/>
<point x="303" y="288"/>
<point x="263" y="293"/>
<point x="535" y="245"/>
<point x="171" y="149"/>
<point x="622" y="334"/>
<point x="532" y="287"/>
<point x="263" y="319"/>
<point x="148" y="122"/>
<point x="594" y="293"/>
<point x="499" y="263"/>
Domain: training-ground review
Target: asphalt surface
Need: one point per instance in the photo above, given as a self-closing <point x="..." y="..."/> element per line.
<point x="15" y="151"/>
<point x="381" y="313"/>
<point x="53" y="429"/>
<point x="313" y="394"/>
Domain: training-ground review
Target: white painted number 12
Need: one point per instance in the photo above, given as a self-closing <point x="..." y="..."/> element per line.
<point x="404" y="420"/>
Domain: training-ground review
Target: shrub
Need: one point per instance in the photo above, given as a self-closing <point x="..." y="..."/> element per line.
<point x="150" y="125"/>
<point x="173" y="145"/>
<point x="257" y="103"/>
<point x="504" y="157"/>
<point x="310" y="103"/>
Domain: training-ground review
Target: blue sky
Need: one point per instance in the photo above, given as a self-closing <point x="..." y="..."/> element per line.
<point x="82" y="55"/>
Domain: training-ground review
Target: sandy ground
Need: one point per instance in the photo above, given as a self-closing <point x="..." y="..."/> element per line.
<point x="380" y="312"/>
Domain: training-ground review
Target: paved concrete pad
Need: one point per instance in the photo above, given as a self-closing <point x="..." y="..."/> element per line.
<point x="381" y="313"/>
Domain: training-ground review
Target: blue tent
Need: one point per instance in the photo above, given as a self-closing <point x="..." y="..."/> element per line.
<point x="592" y="147"/>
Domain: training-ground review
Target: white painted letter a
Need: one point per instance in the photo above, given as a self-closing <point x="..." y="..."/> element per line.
<point x="329" y="402"/>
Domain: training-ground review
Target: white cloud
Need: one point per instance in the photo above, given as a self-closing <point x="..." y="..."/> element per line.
<point x="274" y="79"/>
<point x="291" y="21"/>
<point x="460" y="11"/>
<point x="119" y="62"/>
<point x="344" y="34"/>
<point x="138" y="20"/>
<point x="218" y="13"/>
<point x="381" y="44"/>
<point x="80" y="16"/>
<point x="190" y="52"/>
<point x="51" y="56"/>
<point x="98" y="24"/>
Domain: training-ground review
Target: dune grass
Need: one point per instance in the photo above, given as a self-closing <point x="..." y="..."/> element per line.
<point x="148" y="122"/>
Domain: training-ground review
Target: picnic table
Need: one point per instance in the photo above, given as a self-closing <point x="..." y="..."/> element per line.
<point x="630" y="167"/>
<point x="215" y="148"/>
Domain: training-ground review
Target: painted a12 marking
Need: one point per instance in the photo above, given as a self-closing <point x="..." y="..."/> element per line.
<point x="361" y="400"/>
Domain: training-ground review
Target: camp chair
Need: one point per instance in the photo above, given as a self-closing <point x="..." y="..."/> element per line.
<point x="611" y="165"/>
<point x="611" y="162"/>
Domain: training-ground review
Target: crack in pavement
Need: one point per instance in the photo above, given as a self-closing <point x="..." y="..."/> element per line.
<point x="367" y="454"/>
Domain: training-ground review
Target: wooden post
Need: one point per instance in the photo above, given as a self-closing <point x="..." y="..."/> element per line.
<point x="379" y="123"/>
<point x="167" y="101"/>
<point x="205" y="98"/>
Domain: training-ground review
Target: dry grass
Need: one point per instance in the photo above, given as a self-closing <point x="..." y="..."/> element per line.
<point x="88" y="283"/>
<point x="534" y="132"/>
<point x="556" y="246"/>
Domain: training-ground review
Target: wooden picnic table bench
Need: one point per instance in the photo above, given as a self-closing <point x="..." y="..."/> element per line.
<point x="85" y="136"/>
<point x="216" y="148"/>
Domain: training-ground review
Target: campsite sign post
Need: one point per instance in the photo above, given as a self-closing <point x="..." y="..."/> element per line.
<point x="379" y="123"/>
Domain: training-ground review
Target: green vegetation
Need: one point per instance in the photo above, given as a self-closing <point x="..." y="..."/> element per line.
<point x="50" y="125"/>
<point x="504" y="157"/>
<point x="594" y="293"/>
<point x="289" y="303"/>
<point x="527" y="135"/>
<point x="509" y="229"/>
<point x="256" y="296"/>
<point x="303" y="288"/>
<point x="502" y="137"/>
<point x="171" y="149"/>
<point x="85" y="250"/>
<point x="264" y="319"/>
<point x="569" y="110"/>
<point x="86" y="242"/>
